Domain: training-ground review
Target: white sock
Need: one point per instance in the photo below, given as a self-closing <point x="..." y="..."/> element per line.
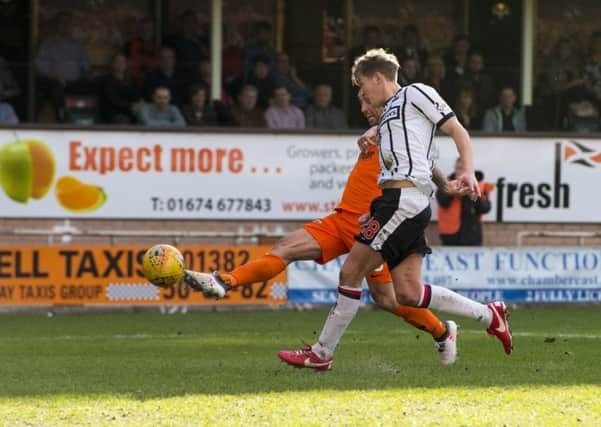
<point x="446" y="300"/>
<point x="340" y="316"/>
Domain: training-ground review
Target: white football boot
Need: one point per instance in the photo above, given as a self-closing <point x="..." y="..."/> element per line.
<point x="211" y="285"/>
<point x="448" y="347"/>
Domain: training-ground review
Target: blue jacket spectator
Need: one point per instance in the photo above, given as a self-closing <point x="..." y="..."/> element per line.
<point x="160" y="112"/>
<point x="505" y="117"/>
<point x="285" y="75"/>
<point x="7" y="114"/>
<point x="260" y="47"/>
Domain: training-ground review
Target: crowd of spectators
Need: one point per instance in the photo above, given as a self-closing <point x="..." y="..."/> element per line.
<point x="169" y="84"/>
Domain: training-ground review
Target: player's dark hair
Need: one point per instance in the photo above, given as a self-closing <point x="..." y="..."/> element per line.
<point x="372" y="61"/>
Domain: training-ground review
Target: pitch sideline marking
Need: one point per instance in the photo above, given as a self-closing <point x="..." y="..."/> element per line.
<point x="211" y="335"/>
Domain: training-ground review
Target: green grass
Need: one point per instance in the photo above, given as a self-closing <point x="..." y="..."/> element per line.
<point x="221" y="369"/>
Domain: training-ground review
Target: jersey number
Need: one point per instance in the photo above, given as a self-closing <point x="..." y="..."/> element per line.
<point x="370" y="228"/>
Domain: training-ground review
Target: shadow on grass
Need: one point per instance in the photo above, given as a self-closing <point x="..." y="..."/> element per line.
<point x="150" y="356"/>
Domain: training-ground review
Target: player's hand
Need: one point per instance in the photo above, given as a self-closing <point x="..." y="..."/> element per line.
<point x="367" y="139"/>
<point x="468" y="179"/>
<point x="364" y="218"/>
<point x="456" y="189"/>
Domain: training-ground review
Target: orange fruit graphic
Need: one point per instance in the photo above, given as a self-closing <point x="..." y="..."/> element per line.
<point x="26" y="169"/>
<point x="78" y="197"/>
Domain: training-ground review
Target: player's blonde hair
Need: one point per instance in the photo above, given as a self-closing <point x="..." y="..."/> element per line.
<point x="372" y="61"/>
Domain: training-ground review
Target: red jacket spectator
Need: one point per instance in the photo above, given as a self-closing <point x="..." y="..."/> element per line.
<point x="143" y="52"/>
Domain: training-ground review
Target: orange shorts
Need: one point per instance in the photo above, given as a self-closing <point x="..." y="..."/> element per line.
<point x="335" y="235"/>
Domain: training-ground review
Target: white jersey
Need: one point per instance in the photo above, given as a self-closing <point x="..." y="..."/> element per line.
<point x="406" y="135"/>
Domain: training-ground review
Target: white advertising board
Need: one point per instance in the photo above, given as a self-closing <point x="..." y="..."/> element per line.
<point x="531" y="275"/>
<point x="106" y="174"/>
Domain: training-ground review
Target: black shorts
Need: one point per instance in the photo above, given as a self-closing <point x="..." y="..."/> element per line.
<point x="396" y="229"/>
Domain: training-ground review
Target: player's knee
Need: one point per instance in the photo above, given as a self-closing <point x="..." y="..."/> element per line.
<point x="408" y="296"/>
<point x="350" y="275"/>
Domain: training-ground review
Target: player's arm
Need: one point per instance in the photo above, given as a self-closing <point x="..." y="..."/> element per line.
<point x="455" y="130"/>
<point x="426" y="100"/>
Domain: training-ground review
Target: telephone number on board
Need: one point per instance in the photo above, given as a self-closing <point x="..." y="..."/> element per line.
<point x="210" y="204"/>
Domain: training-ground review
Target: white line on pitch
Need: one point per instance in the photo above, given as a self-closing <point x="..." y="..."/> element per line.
<point x="234" y="336"/>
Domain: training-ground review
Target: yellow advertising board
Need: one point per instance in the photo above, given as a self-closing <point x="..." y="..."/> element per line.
<point x="112" y="275"/>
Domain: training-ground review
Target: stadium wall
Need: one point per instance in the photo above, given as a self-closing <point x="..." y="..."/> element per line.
<point x="495" y="234"/>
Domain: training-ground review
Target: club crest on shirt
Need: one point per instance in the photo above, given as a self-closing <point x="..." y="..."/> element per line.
<point x="440" y="106"/>
<point x="392" y="114"/>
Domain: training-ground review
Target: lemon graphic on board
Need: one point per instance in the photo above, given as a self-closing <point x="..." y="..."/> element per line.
<point x="26" y="169"/>
<point x="78" y="197"/>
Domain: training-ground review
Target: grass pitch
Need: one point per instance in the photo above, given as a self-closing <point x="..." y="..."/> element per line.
<point x="221" y="369"/>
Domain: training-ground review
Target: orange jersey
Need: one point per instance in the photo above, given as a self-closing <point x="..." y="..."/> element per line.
<point x="361" y="187"/>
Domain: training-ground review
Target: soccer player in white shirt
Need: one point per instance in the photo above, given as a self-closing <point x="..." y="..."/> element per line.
<point x="393" y="231"/>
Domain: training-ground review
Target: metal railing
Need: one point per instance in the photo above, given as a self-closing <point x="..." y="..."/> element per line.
<point x="66" y="232"/>
<point x="580" y="235"/>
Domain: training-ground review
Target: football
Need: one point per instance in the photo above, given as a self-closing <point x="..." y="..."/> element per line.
<point x="163" y="265"/>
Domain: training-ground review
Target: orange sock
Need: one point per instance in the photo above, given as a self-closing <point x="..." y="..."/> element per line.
<point x="423" y="319"/>
<point x="257" y="270"/>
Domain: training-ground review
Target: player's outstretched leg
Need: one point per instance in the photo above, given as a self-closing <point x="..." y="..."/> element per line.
<point x="410" y="290"/>
<point x="298" y="245"/>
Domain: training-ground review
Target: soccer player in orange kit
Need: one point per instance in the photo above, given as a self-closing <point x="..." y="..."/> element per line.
<point x="327" y="238"/>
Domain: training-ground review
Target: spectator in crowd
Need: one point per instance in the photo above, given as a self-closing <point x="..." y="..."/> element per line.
<point x="460" y="218"/>
<point x="456" y="58"/>
<point x="408" y="71"/>
<point x="263" y="81"/>
<point x="9" y="87"/>
<point x="261" y="46"/>
<point x="481" y="83"/>
<point x="119" y="95"/>
<point x="505" y="117"/>
<point x="435" y="76"/>
<point x="467" y="111"/>
<point x="372" y="38"/>
<point x="160" y="112"/>
<point x="203" y="78"/>
<point x="166" y="75"/>
<point x="285" y="75"/>
<point x="592" y="68"/>
<point x="7" y="114"/>
<point x="560" y="77"/>
<point x="191" y="44"/>
<point x="232" y="56"/>
<point x="143" y="52"/>
<point x="411" y="48"/>
<point x="245" y="110"/>
<point x="581" y="101"/>
<point x="282" y="114"/>
<point x="62" y="64"/>
<point x="200" y="111"/>
<point x="322" y="114"/>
